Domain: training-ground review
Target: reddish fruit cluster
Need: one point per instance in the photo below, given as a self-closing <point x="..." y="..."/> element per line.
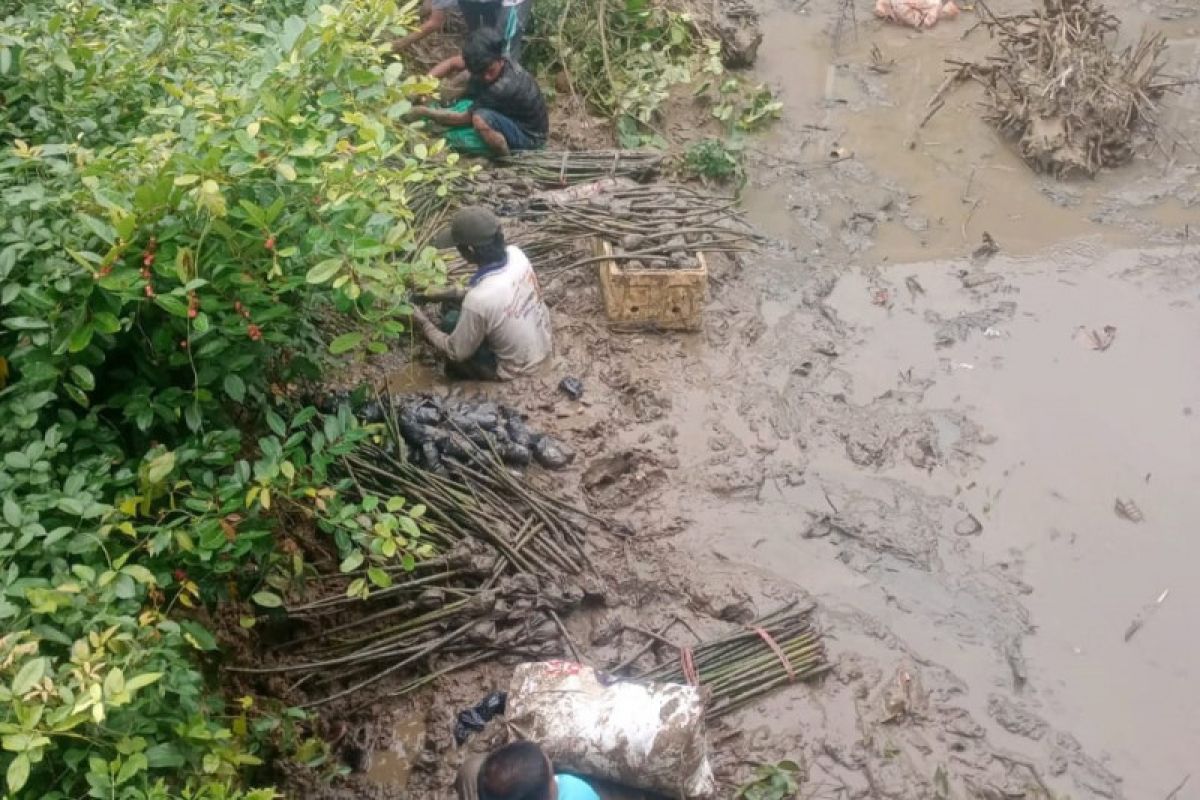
<point x="181" y="575"/>
<point x="254" y="332"/>
<point x="241" y="309"/>
<point x="270" y="244"/>
<point x="193" y="305"/>
<point x="148" y="256"/>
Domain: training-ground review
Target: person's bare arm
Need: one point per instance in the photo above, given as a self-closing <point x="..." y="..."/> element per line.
<point x="432" y="23"/>
<point x="469" y="333"/>
<point x="450" y="119"/>
<point x="450" y="66"/>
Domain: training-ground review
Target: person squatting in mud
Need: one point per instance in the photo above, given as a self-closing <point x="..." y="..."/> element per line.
<point x="503" y="328"/>
<point x="502" y="103"/>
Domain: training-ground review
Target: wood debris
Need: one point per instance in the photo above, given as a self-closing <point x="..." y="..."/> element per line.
<point x="1059" y="88"/>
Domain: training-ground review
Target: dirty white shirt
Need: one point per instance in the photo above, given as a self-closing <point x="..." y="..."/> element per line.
<point x="505" y="309"/>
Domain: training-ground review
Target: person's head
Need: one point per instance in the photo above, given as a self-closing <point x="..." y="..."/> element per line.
<point x="517" y="771"/>
<point x="483" y="54"/>
<point x="477" y="234"/>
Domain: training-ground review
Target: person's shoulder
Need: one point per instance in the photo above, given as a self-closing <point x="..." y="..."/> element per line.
<point x="571" y="787"/>
<point x="517" y="257"/>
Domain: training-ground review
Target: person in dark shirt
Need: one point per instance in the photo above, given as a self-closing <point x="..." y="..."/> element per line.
<point x="506" y="107"/>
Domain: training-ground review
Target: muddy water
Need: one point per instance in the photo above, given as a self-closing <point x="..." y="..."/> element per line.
<point x="944" y="477"/>
<point x="956" y="174"/>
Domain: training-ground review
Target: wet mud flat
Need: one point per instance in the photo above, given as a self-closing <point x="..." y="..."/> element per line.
<point x="979" y="462"/>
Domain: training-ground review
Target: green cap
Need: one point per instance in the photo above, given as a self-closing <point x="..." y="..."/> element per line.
<point x="470" y="227"/>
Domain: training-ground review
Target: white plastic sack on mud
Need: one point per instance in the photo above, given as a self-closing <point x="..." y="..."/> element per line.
<point x="645" y="735"/>
<point x="916" y="13"/>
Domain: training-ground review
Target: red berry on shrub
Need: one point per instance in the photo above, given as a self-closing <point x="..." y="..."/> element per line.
<point x="192" y="313"/>
<point x="269" y="243"/>
<point x="180" y="575"/>
<point x="254" y="332"/>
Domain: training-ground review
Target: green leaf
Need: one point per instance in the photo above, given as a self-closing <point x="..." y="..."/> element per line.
<point x="276" y="423"/>
<point x="324" y="271"/>
<point x="18" y="773"/>
<point x="395" y="503"/>
<point x="83" y="377"/>
<point x="15" y="459"/>
<point x="187" y="180"/>
<point x="173" y="305"/>
<point x="235" y="387"/>
<point x="139" y="573"/>
<point x="267" y="599"/>
<point x="30" y="673"/>
<point x="352" y="561"/>
<point x="286" y="170"/>
<point x="141" y="681"/>
<point x="114" y="682"/>
<point x="198" y="636"/>
<point x="379" y="577"/>
<point x="132" y="766"/>
<point x="105" y="322"/>
<point x="345" y="342"/>
<point x="160" y="467"/>
<point x="30" y="323"/>
<point x="12" y="512"/>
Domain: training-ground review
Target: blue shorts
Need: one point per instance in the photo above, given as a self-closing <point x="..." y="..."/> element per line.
<point x="516" y="137"/>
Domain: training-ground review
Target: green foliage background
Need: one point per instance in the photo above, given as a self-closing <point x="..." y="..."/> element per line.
<point x="183" y="185"/>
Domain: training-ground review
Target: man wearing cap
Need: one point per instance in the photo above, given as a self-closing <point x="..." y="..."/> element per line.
<point x="503" y="330"/>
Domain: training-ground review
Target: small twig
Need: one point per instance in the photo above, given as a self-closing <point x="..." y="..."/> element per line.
<point x="1175" y="792"/>
<point x="575" y="652"/>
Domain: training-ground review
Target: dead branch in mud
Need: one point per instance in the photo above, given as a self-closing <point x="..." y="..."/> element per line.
<point x="1059" y="89"/>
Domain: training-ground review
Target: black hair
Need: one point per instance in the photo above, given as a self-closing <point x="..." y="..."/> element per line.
<point x="482" y="47"/>
<point x="488" y="253"/>
<point x="517" y="771"/>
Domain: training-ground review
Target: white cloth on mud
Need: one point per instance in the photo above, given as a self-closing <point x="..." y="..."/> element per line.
<point x="647" y="736"/>
<point x="916" y="13"/>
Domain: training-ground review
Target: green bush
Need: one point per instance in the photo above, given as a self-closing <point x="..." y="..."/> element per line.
<point x="187" y="184"/>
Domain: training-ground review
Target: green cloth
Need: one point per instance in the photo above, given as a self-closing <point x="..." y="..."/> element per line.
<point x="464" y="138"/>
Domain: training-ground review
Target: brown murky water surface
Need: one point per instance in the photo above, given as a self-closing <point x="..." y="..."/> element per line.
<point x="948" y="447"/>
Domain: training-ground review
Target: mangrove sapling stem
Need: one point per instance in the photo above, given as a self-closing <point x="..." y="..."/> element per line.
<point x="651" y="638"/>
<point x="394" y="668"/>
<point x="341" y="599"/>
<point x="734" y="703"/>
<point x="752" y="670"/>
<point x="406" y="627"/>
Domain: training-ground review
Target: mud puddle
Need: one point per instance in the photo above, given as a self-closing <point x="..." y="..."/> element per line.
<point x="860" y="90"/>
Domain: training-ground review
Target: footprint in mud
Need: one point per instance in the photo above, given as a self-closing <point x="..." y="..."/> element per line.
<point x="622" y="479"/>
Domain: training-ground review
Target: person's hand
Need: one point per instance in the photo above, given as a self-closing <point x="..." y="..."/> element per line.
<point x="416" y="113"/>
<point x="422" y="320"/>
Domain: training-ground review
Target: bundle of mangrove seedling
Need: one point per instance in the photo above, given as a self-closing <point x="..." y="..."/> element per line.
<point x="1060" y="89"/>
<point x="659" y="225"/>
<point x="781" y="648"/>
<point x="559" y="168"/>
<point x="509" y="557"/>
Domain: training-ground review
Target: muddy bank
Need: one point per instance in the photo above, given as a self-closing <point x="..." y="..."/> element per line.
<point x="928" y="442"/>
